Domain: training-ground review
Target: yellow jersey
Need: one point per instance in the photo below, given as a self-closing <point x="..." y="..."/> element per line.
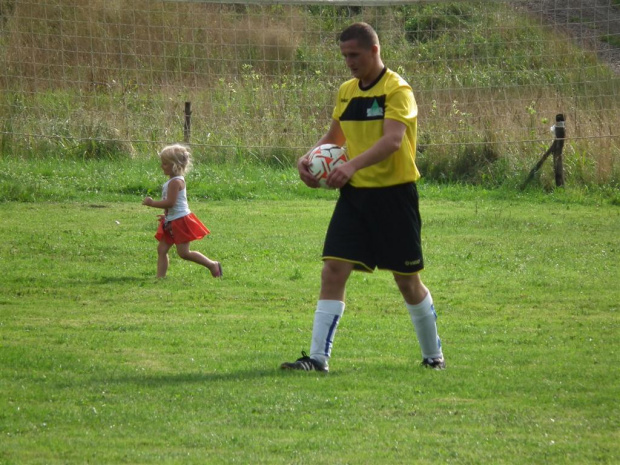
<point x="361" y="113"/>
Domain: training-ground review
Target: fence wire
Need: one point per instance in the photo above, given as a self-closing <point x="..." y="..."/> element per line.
<point x="261" y="76"/>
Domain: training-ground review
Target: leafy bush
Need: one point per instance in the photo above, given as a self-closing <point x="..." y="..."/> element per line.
<point x="433" y="21"/>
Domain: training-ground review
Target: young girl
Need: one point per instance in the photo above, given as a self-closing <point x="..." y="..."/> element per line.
<point x="178" y="225"/>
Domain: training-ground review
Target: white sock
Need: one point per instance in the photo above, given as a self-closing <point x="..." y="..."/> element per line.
<point x="326" y="318"/>
<point x="424" y="318"/>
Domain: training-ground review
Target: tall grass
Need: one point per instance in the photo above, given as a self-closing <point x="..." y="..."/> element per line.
<point x="109" y="80"/>
<point x="95" y="181"/>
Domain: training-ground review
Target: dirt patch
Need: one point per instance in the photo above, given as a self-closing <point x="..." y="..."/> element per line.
<point x="587" y="21"/>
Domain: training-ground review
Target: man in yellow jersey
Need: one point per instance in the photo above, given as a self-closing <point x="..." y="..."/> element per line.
<point x="376" y="222"/>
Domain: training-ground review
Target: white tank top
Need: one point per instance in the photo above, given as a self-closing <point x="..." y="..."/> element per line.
<point x="181" y="207"/>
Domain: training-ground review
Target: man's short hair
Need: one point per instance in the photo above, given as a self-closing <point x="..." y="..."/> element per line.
<point x="362" y="32"/>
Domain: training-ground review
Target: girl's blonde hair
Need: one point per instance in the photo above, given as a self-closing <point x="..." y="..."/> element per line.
<point x="179" y="157"/>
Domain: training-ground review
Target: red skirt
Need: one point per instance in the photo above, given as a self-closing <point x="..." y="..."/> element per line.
<point x="185" y="229"/>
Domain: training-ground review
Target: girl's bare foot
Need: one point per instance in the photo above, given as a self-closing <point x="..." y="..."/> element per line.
<point x="216" y="271"/>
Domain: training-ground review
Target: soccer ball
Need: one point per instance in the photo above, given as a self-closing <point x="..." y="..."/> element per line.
<point x="324" y="159"/>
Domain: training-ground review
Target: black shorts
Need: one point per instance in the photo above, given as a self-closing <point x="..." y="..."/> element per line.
<point x="377" y="228"/>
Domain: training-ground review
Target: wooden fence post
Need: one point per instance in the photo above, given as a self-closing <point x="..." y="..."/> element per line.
<point x="560" y="134"/>
<point x="556" y="148"/>
<point x="187" y="126"/>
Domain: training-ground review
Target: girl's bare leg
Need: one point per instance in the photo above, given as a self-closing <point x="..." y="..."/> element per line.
<point x="197" y="257"/>
<point x="162" y="258"/>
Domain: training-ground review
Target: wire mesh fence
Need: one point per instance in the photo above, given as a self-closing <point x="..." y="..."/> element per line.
<point x="114" y="78"/>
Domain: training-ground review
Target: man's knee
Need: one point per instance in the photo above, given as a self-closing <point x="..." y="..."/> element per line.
<point x="334" y="279"/>
<point x="411" y="287"/>
<point x="334" y="270"/>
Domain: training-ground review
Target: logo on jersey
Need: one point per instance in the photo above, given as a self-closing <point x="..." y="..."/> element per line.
<point x="374" y="110"/>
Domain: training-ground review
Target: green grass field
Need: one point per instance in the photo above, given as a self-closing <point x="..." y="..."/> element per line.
<point x="102" y="363"/>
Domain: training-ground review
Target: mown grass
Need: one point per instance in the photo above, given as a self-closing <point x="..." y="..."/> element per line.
<point x="101" y="362"/>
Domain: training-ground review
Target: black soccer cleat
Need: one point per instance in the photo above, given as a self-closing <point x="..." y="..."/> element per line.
<point x="434" y="363"/>
<point x="305" y="363"/>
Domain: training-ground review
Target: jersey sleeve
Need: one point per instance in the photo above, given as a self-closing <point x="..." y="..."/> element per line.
<point x="339" y="105"/>
<point x="401" y="105"/>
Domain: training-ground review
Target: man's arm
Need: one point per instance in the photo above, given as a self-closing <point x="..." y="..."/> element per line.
<point x="393" y="133"/>
<point x="334" y="135"/>
<point x="173" y="192"/>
